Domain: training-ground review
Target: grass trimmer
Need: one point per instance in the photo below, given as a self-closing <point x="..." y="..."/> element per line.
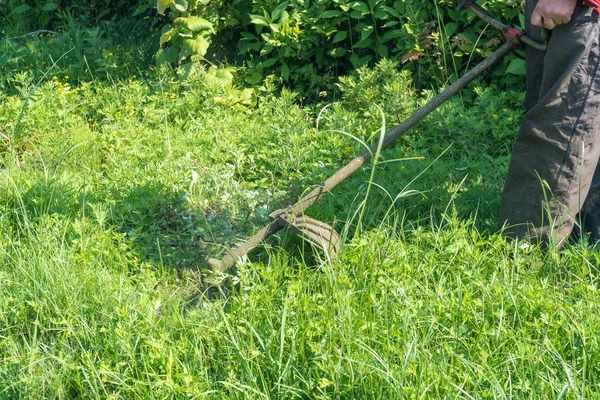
<point x="323" y="235"/>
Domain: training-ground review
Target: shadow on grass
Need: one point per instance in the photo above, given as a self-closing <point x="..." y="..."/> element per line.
<point x="165" y="229"/>
<point x="159" y="224"/>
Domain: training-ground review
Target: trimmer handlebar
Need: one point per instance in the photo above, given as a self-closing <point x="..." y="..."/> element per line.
<point x="510" y="33"/>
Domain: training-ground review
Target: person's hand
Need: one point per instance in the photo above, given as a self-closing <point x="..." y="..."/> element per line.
<point x="549" y="13"/>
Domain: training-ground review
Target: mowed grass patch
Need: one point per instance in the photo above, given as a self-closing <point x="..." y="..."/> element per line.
<point x="114" y="194"/>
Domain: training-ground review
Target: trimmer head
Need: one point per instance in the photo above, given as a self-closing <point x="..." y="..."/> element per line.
<point x="315" y="232"/>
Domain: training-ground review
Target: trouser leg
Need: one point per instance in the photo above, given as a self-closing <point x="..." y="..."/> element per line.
<point x="589" y="217"/>
<point x="557" y="149"/>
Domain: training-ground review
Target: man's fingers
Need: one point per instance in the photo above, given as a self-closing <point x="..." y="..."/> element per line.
<point x="550" y="13"/>
<point x="536" y="19"/>
<point x="546" y="22"/>
<point x="549" y="23"/>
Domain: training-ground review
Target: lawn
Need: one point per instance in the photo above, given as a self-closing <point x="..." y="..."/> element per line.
<point x="119" y="182"/>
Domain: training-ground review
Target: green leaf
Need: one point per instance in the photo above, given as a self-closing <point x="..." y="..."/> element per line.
<point x="186" y="70"/>
<point x="162" y="5"/>
<point x="284" y="16"/>
<point x="254" y="77"/>
<point x="331" y="13"/>
<point x="392" y="11"/>
<point x="363" y="44"/>
<point x="364" y="60"/>
<point x="382" y="51"/>
<point x="181" y="5"/>
<point x="165" y="37"/>
<point x="235" y="96"/>
<point x="380" y="13"/>
<point x="219" y="77"/>
<point x="44" y="18"/>
<point x="49" y="6"/>
<point x="248" y="36"/>
<point x="142" y="8"/>
<point x="400" y="6"/>
<point x="360" y="6"/>
<point x="167" y="56"/>
<point x="368" y="31"/>
<point x="266" y="50"/>
<point x="285" y="72"/>
<point x="196" y="46"/>
<point x="337" y="52"/>
<point x="247" y="97"/>
<point x="516" y="67"/>
<point x="258" y="20"/>
<point x="268" y="63"/>
<point x="455" y="15"/>
<point x="450" y="28"/>
<point x="194" y="24"/>
<point x="396" y="33"/>
<point x="521" y="21"/>
<point x="341" y="35"/>
<point x="278" y="11"/>
<point x="21" y="9"/>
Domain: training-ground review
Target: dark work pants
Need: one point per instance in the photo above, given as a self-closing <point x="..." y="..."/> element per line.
<point x="551" y="176"/>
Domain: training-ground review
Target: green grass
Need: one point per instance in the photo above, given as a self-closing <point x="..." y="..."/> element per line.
<point x="105" y="181"/>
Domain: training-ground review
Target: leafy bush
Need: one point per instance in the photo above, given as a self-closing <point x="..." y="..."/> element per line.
<point x="303" y="44"/>
<point x="309" y="44"/>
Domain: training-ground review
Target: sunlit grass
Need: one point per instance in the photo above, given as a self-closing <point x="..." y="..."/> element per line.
<point x="114" y="194"/>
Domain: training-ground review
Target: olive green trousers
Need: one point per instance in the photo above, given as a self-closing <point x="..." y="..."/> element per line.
<point x="550" y="186"/>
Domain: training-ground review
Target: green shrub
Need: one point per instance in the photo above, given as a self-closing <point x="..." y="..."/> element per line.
<point x="308" y="44"/>
<point x="304" y="44"/>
